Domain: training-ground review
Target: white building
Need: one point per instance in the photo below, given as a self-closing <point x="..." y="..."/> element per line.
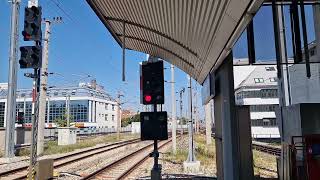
<point x="88" y="107"/>
<point x="304" y="89"/>
<point x="257" y="87"/>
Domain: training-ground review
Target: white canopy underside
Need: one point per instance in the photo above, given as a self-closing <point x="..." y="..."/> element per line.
<point x="194" y="35"/>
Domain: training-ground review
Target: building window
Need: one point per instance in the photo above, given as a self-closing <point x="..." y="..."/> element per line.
<point x="112" y="118"/>
<point x="112" y="107"/>
<point x="263" y="108"/>
<point x="263" y="93"/>
<point x="270" y="69"/>
<point x="106" y="117"/>
<point x="312" y="53"/>
<point x="258" y="80"/>
<point x="106" y="106"/>
<point x="273" y="79"/>
<point x="2" y="109"/>
<point x="55" y="93"/>
<point x="271" y="122"/>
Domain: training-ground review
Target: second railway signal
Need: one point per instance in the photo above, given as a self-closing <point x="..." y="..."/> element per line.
<point x="30" y="57"/>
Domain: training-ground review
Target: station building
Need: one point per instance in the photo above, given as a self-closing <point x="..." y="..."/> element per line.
<point x="89" y="106"/>
<point x="257" y="87"/>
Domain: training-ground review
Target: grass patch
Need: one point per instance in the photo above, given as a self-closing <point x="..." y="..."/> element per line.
<point x="53" y="148"/>
<point x="263" y="160"/>
<point x="179" y="157"/>
<point x="204" y="153"/>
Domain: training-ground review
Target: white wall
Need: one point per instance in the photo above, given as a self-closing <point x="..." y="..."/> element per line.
<point x="304" y="90"/>
<point x="265" y="132"/>
<point x="101" y="113"/>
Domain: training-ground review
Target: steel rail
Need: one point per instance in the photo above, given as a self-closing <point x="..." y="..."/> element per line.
<point x="117" y="145"/>
<point x="267" y="149"/>
<point x="125" y="159"/>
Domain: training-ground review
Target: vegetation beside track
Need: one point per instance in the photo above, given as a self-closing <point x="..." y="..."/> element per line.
<point x="264" y="164"/>
<point x="53" y="148"/>
<point x="205" y="154"/>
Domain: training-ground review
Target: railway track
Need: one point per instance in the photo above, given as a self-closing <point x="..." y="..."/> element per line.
<point x="124" y="166"/>
<point x="276" y="151"/>
<point x="21" y="172"/>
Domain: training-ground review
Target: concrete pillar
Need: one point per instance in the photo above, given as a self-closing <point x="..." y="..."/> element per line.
<point x="208" y="120"/>
<point x="227" y="134"/>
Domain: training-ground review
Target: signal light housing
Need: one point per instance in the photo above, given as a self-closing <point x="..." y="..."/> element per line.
<point x="30" y="57"/>
<point x="32" y="24"/>
<point x="152" y="83"/>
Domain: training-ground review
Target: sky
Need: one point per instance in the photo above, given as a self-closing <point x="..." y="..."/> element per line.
<point x="82" y="46"/>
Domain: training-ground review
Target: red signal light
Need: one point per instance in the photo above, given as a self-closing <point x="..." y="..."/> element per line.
<point x="147" y="98"/>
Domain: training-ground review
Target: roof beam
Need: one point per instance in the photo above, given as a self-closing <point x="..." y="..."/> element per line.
<point x="158" y="46"/>
<point x="288" y="2"/>
<point x="154" y="31"/>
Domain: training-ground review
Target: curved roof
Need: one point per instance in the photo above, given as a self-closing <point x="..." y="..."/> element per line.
<point x="194" y="35"/>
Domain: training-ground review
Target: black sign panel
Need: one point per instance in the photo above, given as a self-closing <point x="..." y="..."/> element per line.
<point x="154" y="126"/>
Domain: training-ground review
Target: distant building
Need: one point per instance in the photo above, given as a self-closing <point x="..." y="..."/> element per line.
<point x="126" y="113"/>
<point x="257" y="87"/>
<point x="89" y="107"/>
<point x="302" y="88"/>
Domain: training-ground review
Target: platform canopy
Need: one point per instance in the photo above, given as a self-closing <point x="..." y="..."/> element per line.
<point x="194" y="35"/>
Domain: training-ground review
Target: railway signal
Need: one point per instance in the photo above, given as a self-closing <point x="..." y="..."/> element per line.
<point x="30" y="57"/>
<point x="154" y="125"/>
<point x="32" y="24"/>
<point x="152" y="83"/>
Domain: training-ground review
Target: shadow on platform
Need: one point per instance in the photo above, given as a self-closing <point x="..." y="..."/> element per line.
<point x="263" y="178"/>
<point x="185" y="176"/>
<point x="181" y="176"/>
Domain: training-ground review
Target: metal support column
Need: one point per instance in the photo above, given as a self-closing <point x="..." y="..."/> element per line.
<point x="119" y="115"/>
<point x="283" y="81"/>
<point x="156" y="170"/>
<point x="173" y="114"/>
<point x="191" y="155"/>
<point x="227" y="128"/>
<point x="316" y="20"/>
<point x="251" y="46"/>
<point x="305" y="38"/>
<point x="208" y="119"/>
<point x="295" y="25"/>
<point x="12" y="81"/>
<point x="124" y="52"/>
<point x="35" y="113"/>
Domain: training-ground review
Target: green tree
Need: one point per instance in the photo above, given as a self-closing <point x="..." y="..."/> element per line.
<point x="126" y="121"/>
<point x="183" y="120"/>
<point x="62" y="120"/>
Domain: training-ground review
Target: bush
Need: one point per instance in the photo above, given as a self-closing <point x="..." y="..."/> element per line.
<point x="126" y="121"/>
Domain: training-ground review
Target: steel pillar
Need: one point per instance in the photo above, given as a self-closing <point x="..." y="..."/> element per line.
<point x="208" y="120"/>
<point x="227" y="134"/>
<point x="12" y="82"/>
